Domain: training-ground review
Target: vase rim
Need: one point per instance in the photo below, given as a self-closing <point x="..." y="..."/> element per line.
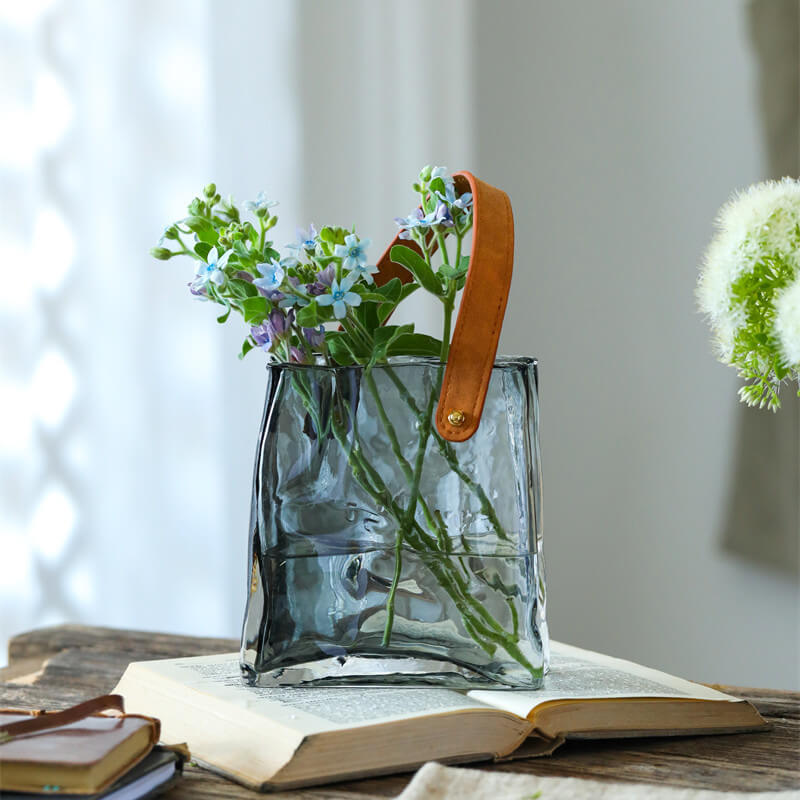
<point x="501" y="362"/>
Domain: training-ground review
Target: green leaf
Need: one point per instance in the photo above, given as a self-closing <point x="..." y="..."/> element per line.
<point x="224" y="317"/>
<point x="338" y="347"/>
<point x="391" y="290"/>
<point x="437" y="185"/>
<point x="384" y="338"/>
<point x="241" y="288"/>
<point x="454" y="273"/>
<point x="415" y="344"/>
<point x="203" y="228"/>
<point x="247" y="346"/>
<point x="385" y="310"/>
<point x="371" y="297"/>
<point x="417" y="266"/>
<point x="308" y="316"/>
<point x="202" y="249"/>
<point x="241" y="250"/>
<point x="406" y="290"/>
<point x="367" y="315"/>
<point x="385" y="335"/>
<point x="254" y="310"/>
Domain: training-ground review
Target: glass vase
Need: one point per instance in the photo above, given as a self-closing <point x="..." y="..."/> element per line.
<point x="381" y="553"/>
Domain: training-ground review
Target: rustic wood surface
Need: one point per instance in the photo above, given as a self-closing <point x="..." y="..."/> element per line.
<point x="56" y="667"/>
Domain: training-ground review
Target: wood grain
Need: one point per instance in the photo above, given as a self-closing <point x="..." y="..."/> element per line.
<point x="60" y="666"/>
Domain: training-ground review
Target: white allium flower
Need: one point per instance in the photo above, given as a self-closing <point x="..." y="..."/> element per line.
<point x="787" y="323"/>
<point x="747" y="286"/>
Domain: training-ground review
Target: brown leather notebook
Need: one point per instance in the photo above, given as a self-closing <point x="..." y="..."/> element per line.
<point x="59" y="754"/>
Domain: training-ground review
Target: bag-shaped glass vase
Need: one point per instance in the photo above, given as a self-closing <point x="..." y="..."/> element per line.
<point x="381" y="553"/>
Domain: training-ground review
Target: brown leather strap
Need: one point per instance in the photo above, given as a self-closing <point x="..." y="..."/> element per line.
<point x="483" y="306"/>
<point x="43" y="721"/>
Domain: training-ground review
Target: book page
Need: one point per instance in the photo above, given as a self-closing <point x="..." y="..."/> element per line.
<point x="309" y="710"/>
<point x="583" y="674"/>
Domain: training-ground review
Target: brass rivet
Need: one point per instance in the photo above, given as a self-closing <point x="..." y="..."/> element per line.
<point x="456" y="418"/>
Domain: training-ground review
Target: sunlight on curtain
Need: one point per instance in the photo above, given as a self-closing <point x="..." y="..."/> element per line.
<point x="42" y="435"/>
<point x="106" y="371"/>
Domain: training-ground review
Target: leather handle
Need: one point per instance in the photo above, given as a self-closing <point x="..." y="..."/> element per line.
<point x="483" y="305"/>
<point x="43" y="721"/>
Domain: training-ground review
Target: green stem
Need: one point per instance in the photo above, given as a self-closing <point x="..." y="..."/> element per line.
<point x="405" y="466"/>
<point x="446" y="450"/>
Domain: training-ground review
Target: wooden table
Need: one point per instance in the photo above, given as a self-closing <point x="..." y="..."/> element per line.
<point x="56" y="667"/>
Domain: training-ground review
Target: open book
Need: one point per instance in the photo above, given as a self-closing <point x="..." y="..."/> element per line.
<point x="283" y="738"/>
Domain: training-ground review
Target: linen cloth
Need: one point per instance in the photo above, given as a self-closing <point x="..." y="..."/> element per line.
<point x="435" y="782"/>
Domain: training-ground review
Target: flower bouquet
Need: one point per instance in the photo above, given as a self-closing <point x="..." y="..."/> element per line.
<point x="395" y="532"/>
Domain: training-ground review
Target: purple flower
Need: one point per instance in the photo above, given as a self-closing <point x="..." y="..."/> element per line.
<point x="244" y="276"/>
<point x="296" y="355"/>
<point x="279" y="323"/>
<point x="261" y="335"/>
<point x="314" y="336"/>
<point x="327" y="276"/>
<point x="441" y="216"/>
<point x="315" y="289"/>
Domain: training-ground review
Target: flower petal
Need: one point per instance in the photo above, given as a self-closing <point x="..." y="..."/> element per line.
<point x="352" y="299"/>
<point x="324" y="299"/>
<point x="339" y="309"/>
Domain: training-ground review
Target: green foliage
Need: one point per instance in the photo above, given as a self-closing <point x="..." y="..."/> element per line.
<point x="756" y="350"/>
<point x="418" y="267"/>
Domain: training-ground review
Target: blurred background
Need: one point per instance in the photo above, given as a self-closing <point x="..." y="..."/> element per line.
<point x="127" y="424"/>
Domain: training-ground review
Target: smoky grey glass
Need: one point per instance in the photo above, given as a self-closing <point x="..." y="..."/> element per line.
<point x="379" y="552"/>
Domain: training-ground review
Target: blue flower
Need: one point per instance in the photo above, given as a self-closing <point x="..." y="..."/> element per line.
<point x="416" y="219"/>
<point x="365" y="272"/>
<point x="340" y="297"/>
<point x="352" y="251"/>
<point x="261" y="203"/>
<point x="210" y="271"/>
<point x="306" y="240"/>
<point x="273" y="274"/>
<point x="461" y="203"/>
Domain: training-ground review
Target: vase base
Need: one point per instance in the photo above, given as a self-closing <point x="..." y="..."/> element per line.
<point x="354" y="670"/>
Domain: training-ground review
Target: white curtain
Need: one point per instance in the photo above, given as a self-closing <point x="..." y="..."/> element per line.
<point x="128" y="425"/>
